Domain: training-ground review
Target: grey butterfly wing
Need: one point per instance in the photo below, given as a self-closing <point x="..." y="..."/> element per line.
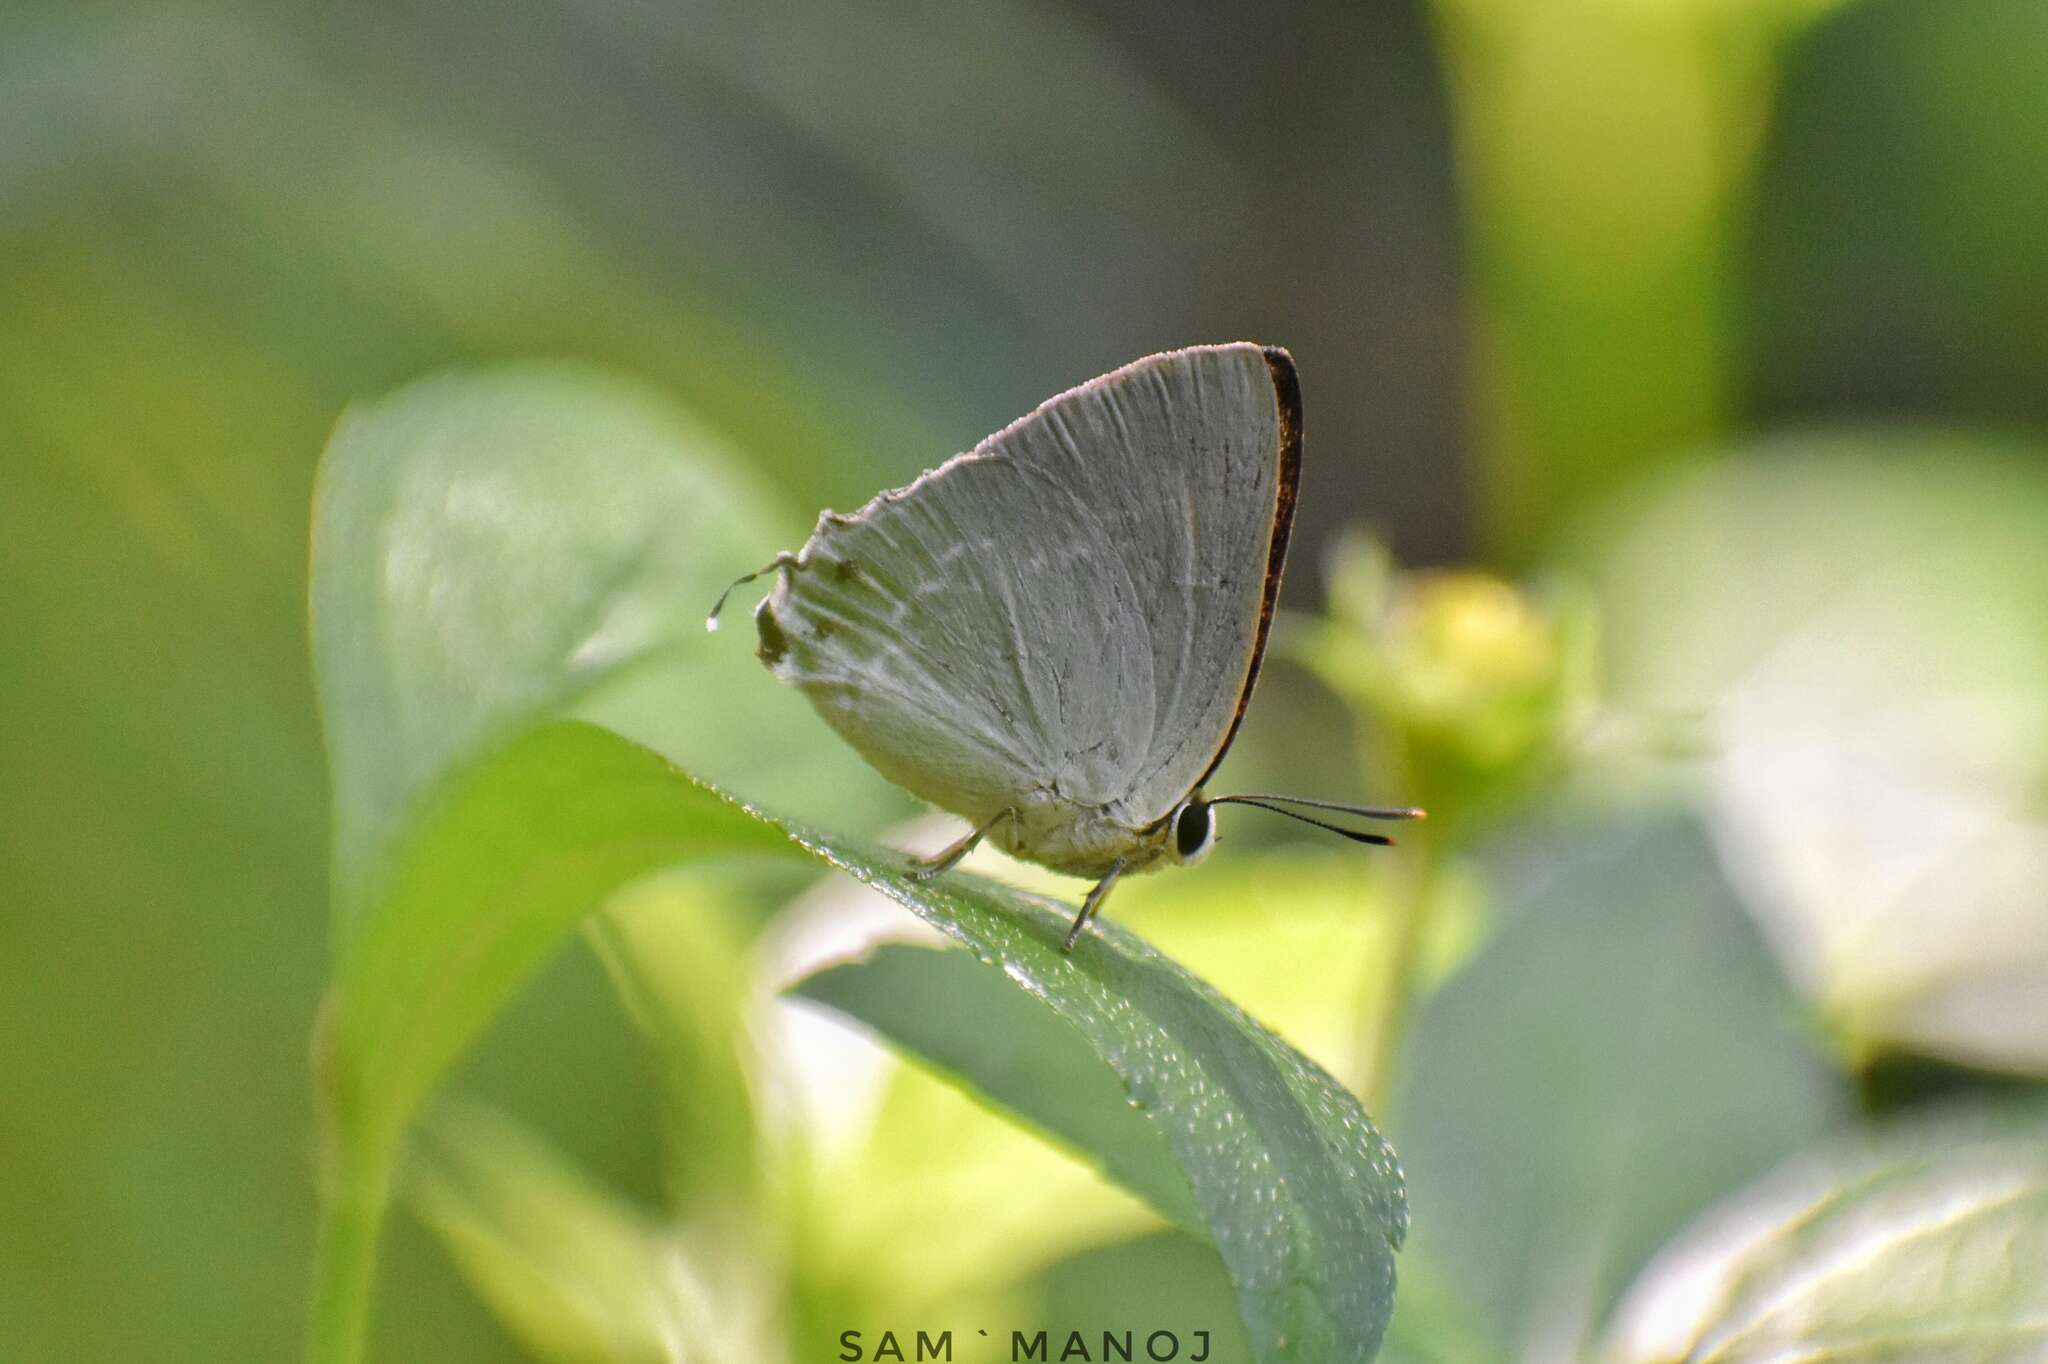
<point x="1072" y="612"/>
<point x="977" y="673"/>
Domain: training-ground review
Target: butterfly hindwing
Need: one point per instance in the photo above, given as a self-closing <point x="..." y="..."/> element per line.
<point x="1072" y="611"/>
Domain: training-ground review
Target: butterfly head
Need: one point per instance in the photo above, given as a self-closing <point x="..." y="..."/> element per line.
<point x="1194" y="830"/>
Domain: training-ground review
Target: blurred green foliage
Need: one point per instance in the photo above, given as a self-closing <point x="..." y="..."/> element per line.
<point x="1922" y="1240"/>
<point x="842" y="247"/>
<point x="1657" y="1061"/>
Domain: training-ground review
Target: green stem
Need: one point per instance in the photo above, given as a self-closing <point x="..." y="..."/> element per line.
<point x="1600" y="214"/>
<point x="352" y="1209"/>
<point x="1390" y="989"/>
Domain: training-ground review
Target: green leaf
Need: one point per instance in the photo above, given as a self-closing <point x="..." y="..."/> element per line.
<point x="494" y="553"/>
<point x="577" y="1272"/>
<point x="1019" y="1055"/>
<point x="682" y="972"/>
<point x="505" y="866"/>
<point x="936" y="1209"/>
<point x="1927" y="1243"/>
<point x="1856" y="623"/>
<point x="1293" y="1183"/>
<point x="1621" y="1054"/>
<point x="1600" y="206"/>
<point x="494" y="550"/>
<point x="579" y="1275"/>
<point x="1136" y="1284"/>
<point x="498" y="547"/>
<point x="1287" y="1174"/>
<point x="507" y="860"/>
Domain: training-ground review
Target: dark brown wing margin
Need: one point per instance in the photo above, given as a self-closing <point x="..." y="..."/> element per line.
<point x="1287" y="393"/>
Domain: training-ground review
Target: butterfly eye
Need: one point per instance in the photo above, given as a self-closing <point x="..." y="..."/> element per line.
<point x="1194" y="832"/>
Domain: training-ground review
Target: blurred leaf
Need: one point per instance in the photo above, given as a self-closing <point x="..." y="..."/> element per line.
<point x="574" y="1268"/>
<point x="502" y="868"/>
<point x="1064" y="199"/>
<point x="1293" y="1183"/>
<point x="1897" y="264"/>
<point x="676" y="960"/>
<point x="1434" y="1323"/>
<point x="496" y="546"/>
<point x="1599" y="207"/>
<point x="1018" y="1055"/>
<point x="935" y="1209"/>
<point x="578" y="1275"/>
<point x="1285" y="933"/>
<point x="505" y="863"/>
<point x="1926" y="1243"/>
<point x="1858" y="626"/>
<point x="490" y="552"/>
<point x="1140" y="1284"/>
<point x="1618" y="1056"/>
<point x="1295" y="1186"/>
<point x="1295" y="934"/>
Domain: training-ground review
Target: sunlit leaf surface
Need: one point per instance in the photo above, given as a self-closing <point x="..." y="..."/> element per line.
<point x="1854" y="630"/>
<point x="1289" y="1177"/>
<point x="1293" y="1183"/>
<point x="1017" y="1053"/>
<point x="1926" y="1244"/>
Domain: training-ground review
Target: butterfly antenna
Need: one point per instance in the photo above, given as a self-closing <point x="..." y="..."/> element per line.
<point x="1389" y="812"/>
<point x="1356" y="836"/>
<point x="781" y="561"/>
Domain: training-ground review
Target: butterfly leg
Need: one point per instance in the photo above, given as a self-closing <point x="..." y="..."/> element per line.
<point x="925" y="868"/>
<point x="1091" y="904"/>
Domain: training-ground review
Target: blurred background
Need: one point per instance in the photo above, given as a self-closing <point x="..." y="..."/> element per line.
<point x="1700" y="342"/>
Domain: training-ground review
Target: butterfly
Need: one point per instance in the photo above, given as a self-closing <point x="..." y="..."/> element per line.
<point x="1055" y="635"/>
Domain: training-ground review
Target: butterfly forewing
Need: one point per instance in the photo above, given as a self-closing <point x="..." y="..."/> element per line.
<point x="1072" y="611"/>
